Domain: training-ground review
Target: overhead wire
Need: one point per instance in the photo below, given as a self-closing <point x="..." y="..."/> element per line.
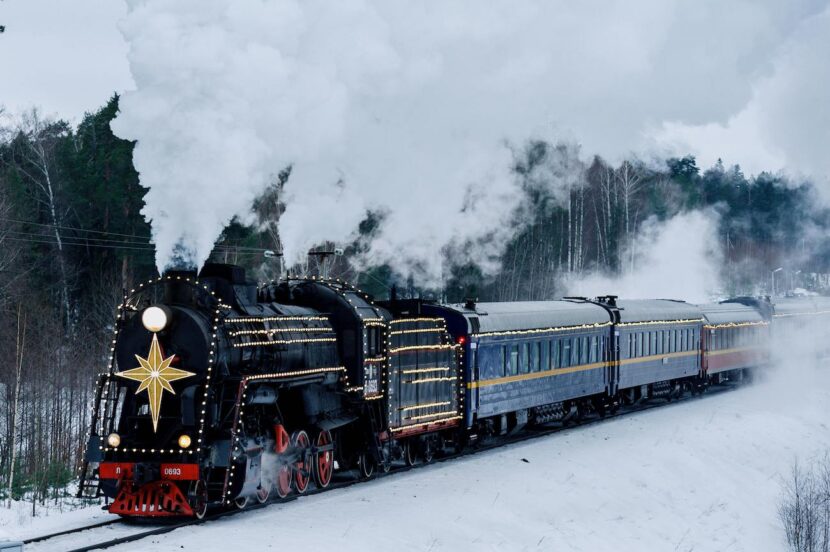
<point x="133" y="242"/>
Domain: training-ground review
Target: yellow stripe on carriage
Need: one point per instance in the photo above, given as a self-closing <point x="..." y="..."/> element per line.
<point x="572" y="369"/>
<point x="536" y="375"/>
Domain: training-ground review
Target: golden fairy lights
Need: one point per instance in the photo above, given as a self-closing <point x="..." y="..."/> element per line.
<point x="542" y="330"/>
<point x="426" y="370"/>
<point x="734" y="325"/>
<point x="271" y="331"/>
<point x="248" y="320"/>
<point x="423" y="406"/>
<point x="428" y="380"/>
<point x="414" y="415"/>
<point x="663" y="322"/>
<point x="286" y="342"/>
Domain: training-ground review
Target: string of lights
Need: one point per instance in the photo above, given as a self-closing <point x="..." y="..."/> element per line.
<point x="271" y="331"/>
<point x="286" y="342"/>
<point x="423" y="406"/>
<point x="734" y="325"/>
<point x="542" y="330"/>
<point x="663" y="322"/>
<point x="286" y="318"/>
<point x="426" y="370"/>
<point x="428" y="380"/>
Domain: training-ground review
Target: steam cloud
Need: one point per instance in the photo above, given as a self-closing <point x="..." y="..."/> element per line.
<point x="413" y="108"/>
<point x="676" y="259"/>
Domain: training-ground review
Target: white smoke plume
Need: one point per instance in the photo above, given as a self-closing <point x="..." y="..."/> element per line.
<point x="406" y="107"/>
<point x="784" y="124"/>
<point x="679" y="258"/>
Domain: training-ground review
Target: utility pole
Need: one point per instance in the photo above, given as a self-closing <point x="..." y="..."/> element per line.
<point x="779" y="269"/>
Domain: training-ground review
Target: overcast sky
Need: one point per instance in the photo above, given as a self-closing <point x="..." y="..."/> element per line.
<point x="65" y="56"/>
<point x="416" y="99"/>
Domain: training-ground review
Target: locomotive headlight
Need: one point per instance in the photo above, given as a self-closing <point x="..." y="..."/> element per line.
<point x="184" y="441"/>
<point x="113" y="440"/>
<point x="154" y="319"/>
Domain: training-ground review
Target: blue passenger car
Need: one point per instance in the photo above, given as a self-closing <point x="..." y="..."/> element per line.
<point x="657" y="341"/>
<point x="529" y="359"/>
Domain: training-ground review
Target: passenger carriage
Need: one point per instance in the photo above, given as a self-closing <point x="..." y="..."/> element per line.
<point x="734" y="339"/>
<point x="534" y="361"/>
<point x="657" y="346"/>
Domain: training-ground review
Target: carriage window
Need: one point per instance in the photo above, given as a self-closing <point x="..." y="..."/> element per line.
<point x="513" y="366"/>
<point x="501" y="369"/>
<point x="594" y="350"/>
<point x="555" y="361"/>
<point x="372" y="342"/>
<point x="523" y="361"/>
<point x="659" y="344"/>
<point x="639" y="351"/>
<point x="534" y="356"/>
<point x="565" y="353"/>
<point x="576" y="346"/>
<point x="545" y="358"/>
<point x="584" y="351"/>
<point x="472" y="361"/>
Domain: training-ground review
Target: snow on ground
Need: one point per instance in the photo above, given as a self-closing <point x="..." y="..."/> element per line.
<point x="17" y="522"/>
<point x="700" y="475"/>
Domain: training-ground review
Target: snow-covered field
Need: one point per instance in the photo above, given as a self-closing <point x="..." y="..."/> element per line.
<point x="699" y="475"/>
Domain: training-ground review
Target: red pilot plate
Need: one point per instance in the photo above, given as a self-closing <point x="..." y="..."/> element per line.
<point x="180" y="472"/>
<point x="115" y="470"/>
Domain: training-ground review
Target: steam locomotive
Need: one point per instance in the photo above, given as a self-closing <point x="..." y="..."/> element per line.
<point x="219" y="392"/>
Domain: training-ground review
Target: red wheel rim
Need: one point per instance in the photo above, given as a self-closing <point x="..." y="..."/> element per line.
<point x="284" y="481"/>
<point x="324" y="460"/>
<point x="301" y="476"/>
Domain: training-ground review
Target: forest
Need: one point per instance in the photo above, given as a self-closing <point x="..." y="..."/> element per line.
<point x="72" y="240"/>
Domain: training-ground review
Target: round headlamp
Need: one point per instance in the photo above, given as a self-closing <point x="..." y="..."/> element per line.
<point x="113" y="440"/>
<point x="184" y="441"/>
<point x="154" y="319"/>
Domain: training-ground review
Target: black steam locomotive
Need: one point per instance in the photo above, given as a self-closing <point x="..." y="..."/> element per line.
<point x="218" y="392"/>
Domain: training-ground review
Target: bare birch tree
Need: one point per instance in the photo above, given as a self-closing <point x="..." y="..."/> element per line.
<point x="36" y="162"/>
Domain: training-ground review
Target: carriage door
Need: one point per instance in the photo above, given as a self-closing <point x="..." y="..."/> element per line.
<point x="473" y="376"/>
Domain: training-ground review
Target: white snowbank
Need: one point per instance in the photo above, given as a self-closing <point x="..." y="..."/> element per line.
<point x="700" y="475"/>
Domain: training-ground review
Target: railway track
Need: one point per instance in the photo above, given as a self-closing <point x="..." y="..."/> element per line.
<point x="68" y="540"/>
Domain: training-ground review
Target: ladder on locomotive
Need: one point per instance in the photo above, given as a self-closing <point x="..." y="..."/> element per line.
<point x="89" y="483"/>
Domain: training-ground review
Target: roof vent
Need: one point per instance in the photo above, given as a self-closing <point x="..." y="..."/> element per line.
<point x="470" y="303"/>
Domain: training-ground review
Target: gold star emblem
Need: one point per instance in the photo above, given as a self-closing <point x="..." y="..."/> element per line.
<point x="155" y="375"/>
